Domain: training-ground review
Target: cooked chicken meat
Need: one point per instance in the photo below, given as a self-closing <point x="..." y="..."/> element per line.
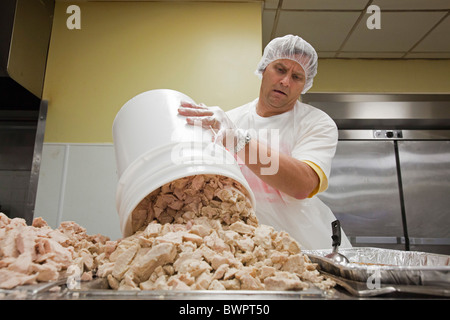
<point x="195" y="233"/>
<point x="37" y="253"/>
<point x="201" y="233"/>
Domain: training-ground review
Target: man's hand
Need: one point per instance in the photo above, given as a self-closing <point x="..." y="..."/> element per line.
<point x="292" y="176"/>
<point x="210" y="118"/>
<point x="201" y="113"/>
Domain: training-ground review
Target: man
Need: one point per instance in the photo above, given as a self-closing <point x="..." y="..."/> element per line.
<point x="285" y="197"/>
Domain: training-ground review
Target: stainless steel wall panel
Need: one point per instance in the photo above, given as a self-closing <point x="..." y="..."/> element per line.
<point x="16" y="147"/>
<point x="36" y="164"/>
<point x="363" y="192"/>
<point x="384" y="111"/>
<point x="16" y="153"/>
<point x="425" y="169"/>
<point x="418" y="127"/>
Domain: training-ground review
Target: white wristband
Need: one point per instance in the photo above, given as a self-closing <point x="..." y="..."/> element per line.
<point x="243" y="138"/>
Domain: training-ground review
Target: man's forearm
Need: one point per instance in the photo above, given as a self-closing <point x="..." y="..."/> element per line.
<point x="293" y="177"/>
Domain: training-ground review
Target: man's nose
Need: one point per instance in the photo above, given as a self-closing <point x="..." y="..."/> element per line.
<point x="285" y="81"/>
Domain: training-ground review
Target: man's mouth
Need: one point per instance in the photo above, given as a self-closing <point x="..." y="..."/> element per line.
<point x="280" y="92"/>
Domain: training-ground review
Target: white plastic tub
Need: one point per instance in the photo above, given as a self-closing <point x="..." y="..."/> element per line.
<point x="154" y="146"/>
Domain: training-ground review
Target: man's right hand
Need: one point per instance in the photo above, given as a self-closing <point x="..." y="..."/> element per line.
<point x="210" y="118"/>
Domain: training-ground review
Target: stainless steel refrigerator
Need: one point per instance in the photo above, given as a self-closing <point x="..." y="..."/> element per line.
<point x="390" y="178"/>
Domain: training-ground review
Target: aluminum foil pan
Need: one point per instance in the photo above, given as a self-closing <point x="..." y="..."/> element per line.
<point x="384" y="266"/>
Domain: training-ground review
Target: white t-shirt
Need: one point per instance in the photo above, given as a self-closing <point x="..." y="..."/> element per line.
<point x="307" y="134"/>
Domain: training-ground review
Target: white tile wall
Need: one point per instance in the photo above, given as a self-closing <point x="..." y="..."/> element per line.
<point x="77" y="182"/>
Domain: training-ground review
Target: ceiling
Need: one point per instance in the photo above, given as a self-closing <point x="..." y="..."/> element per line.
<point x="409" y="29"/>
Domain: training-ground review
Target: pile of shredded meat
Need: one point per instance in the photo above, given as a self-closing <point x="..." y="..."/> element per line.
<point x="180" y="201"/>
<point x="38" y="253"/>
<point x="195" y="233"/>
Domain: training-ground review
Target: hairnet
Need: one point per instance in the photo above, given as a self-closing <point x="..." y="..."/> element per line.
<point x="293" y="48"/>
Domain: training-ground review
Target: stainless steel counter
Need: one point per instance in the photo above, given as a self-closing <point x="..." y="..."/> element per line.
<point x="337" y="293"/>
<point x="97" y="289"/>
<point x="372" y="273"/>
<point x="344" y="290"/>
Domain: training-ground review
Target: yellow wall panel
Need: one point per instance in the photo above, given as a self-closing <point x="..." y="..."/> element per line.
<point x="382" y="76"/>
<point x="205" y="50"/>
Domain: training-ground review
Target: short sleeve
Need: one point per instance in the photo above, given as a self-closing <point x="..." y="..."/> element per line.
<point x="316" y="137"/>
<point x="323" y="180"/>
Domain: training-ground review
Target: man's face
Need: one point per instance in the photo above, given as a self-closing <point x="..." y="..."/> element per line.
<point x="282" y="83"/>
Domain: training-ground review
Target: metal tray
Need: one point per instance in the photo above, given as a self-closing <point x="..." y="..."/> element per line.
<point x="33" y="290"/>
<point x="360" y="289"/>
<point x="376" y="267"/>
<point x="99" y="289"/>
